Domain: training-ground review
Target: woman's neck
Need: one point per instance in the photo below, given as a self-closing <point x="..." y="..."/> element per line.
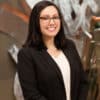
<point x="50" y="43"/>
<point x="51" y="48"/>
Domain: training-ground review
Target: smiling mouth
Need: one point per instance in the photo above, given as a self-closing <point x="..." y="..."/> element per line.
<point x="51" y="28"/>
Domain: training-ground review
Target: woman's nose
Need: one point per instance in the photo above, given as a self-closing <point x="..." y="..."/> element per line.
<point x="51" y="21"/>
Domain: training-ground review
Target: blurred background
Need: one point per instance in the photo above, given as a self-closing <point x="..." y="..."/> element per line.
<point x="84" y="29"/>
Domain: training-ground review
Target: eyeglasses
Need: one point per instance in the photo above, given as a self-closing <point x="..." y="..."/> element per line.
<point x="48" y="19"/>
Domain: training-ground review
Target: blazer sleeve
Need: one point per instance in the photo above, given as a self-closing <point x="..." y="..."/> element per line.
<point x="26" y="72"/>
<point x="84" y="83"/>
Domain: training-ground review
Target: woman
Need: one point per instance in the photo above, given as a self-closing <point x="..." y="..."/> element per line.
<point x="49" y="66"/>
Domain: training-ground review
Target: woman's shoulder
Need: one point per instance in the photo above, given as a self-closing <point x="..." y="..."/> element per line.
<point x="26" y="51"/>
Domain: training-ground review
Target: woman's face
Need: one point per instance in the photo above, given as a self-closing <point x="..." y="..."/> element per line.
<point x="49" y="22"/>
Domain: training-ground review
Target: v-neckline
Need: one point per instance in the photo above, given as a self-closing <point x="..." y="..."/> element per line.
<point x="58" y="56"/>
<point x="53" y="56"/>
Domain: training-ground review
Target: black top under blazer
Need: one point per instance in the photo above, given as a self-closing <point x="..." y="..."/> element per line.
<point x="41" y="78"/>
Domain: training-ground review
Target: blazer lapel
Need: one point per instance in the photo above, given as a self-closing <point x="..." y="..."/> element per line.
<point x="52" y="64"/>
<point x="70" y="55"/>
<point x="55" y="67"/>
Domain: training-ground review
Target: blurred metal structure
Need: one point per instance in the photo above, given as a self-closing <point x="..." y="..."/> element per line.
<point x="91" y="61"/>
<point x="13" y="30"/>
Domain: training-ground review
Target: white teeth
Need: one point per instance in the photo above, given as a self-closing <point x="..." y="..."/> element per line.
<point x="51" y="29"/>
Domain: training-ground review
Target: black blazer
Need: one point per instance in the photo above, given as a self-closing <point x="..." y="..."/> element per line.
<point x="41" y="78"/>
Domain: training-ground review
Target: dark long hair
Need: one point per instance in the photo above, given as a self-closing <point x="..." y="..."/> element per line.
<point x="34" y="38"/>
